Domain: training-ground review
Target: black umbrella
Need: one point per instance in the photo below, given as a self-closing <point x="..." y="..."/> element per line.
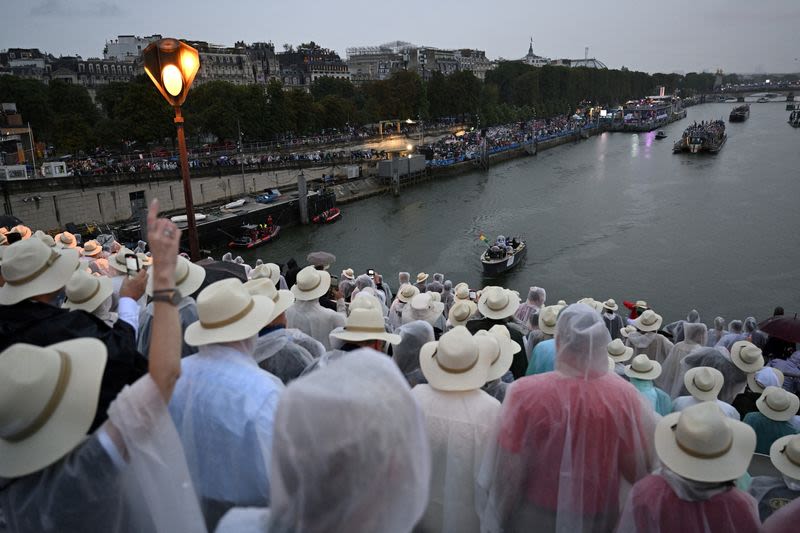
<point x="218" y="270"/>
<point x="9" y="221"/>
<point x="783" y="327"/>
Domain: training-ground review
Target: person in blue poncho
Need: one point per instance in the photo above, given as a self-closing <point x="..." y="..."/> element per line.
<point x="776" y="407"/>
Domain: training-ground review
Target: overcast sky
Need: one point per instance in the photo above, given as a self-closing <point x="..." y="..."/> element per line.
<point x="678" y="35"/>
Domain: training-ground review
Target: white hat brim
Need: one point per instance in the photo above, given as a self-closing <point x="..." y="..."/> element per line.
<point x="702" y="395"/>
<point x="53" y="279"/>
<point x="455" y="322"/>
<point x="194" y="280"/>
<point x="727" y="467"/>
<point x="779" y="459"/>
<point x="431" y="316"/>
<point x="503" y="363"/>
<point x="645" y="328"/>
<point x="624" y="357"/>
<point x="361" y="336"/>
<point x="317" y="292"/>
<point x="249" y="325"/>
<point x="755" y="387"/>
<point x="780" y="416"/>
<point x="749" y="368"/>
<point x="67" y="426"/>
<point x="106" y="290"/>
<point x="499" y="314"/>
<point x="440" y="379"/>
<point x="284" y="302"/>
<point x="652" y="374"/>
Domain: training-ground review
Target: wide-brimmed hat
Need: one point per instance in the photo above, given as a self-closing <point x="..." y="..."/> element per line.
<point x="642" y="367"/>
<point x="461" y="293"/>
<point x="228" y="313"/>
<point x="92" y="249"/>
<point x="627" y="330"/>
<point x="189" y="277"/>
<point x="618" y="352"/>
<point x="704" y="382"/>
<point x="264" y="287"/>
<point x="461" y="312"/>
<point x="48" y="399"/>
<point x="501" y="350"/>
<point x="548" y="317"/>
<point x="785" y="455"/>
<point x="66" y="239"/>
<point x="754" y="379"/>
<point x="31" y="268"/>
<point x="422" y="276"/>
<point x="423" y="307"/>
<point x="348" y="273"/>
<point x="144" y="260"/>
<point x="611" y="364"/>
<point x="23" y="230"/>
<point x="117" y="260"/>
<point x="610" y="304"/>
<point x="365" y="323"/>
<point x="45" y="238"/>
<point x="267" y="270"/>
<point x="498" y="303"/>
<point x="406" y="292"/>
<point x="454" y="362"/>
<point x="778" y="404"/>
<point x="747" y="356"/>
<point x="87" y="292"/>
<point x="700" y="443"/>
<point x="648" y="321"/>
<point x="591" y="302"/>
<point x="311" y="283"/>
<point x="641" y="304"/>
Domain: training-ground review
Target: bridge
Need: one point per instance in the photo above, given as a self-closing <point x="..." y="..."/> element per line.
<point x="754" y="90"/>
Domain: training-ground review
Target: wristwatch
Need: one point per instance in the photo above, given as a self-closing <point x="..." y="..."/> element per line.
<point x="170" y="296"/>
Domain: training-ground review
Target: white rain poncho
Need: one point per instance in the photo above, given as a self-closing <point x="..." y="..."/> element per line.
<point x="569" y="443"/>
<point x="735" y="379"/>
<point x="406" y="354"/>
<point x="694" y="338"/>
<point x="655" y="345"/>
<point x="281" y="353"/>
<point x="224" y="407"/>
<point x="350" y="454"/>
<point x="668" y="503"/>
<point x="676" y="328"/>
<point x="89" y="491"/>
<point x="734" y="334"/>
<point x="717" y="332"/>
<point x="187" y="313"/>
<point x="448" y="298"/>
<point x="396" y="314"/>
<point x="314" y="320"/>
<point x="534" y="302"/>
<point x="458" y="425"/>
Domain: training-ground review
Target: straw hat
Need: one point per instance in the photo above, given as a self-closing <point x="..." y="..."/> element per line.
<point x="422" y="307"/>
<point x="648" y="321"/>
<point x="610" y="305"/>
<point x="228" y="313"/>
<point x="45" y="238"/>
<point x="66" y="240"/>
<point x="747" y="356"/>
<point x="785" y="455"/>
<point x="703" y="382"/>
<point x="117" y="260"/>
<point x="269" y="271"/>
<point x="144" y="260"/>
<point x="92" y="249"/>
<point x="310" y="284"/>
<point x="48" y="399"/>
<point x="86" y="292"/>
<point x="627" y="330"/>
<point x="461" y="292"/>
<point x="701" y="444"/>
<point x="348" y="273"/>
<point x="188" y="277"/>
<point x="406" y="292"/>
<point x="778" y="404"/>
<point x="461" y="312"/>
<point x="498" y="303"/>
<point x="548" y="317"/>
<point x="455" y="361"/>
<point x="500" y="348"/>
<point x="422" y="276"/>
<point x="591" y="302"/>
<point x="31" y="268"/>
<point x="754" y="379"/>
<point x="644" y="368"/>
<point x="366" y="323"/>
<point x="264" y="287"/>
<point x="618" y="352"/>
<point x="641" y="304"/>
<point x="23" y="230"/>
<point x="611" y="364"/>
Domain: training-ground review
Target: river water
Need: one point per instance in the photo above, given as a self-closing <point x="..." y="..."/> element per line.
<point x="616" y="216"/>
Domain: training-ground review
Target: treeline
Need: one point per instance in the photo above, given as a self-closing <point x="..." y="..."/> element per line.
<point x="134" y="114"/>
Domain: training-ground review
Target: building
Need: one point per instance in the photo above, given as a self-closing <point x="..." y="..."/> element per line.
<point x="222" y="63"/>
<point x="92" y="72"/>
<point x="370" y="63"/>
<point x="427" y="60"/>
<point x="474" y="61"/>
<point x="127" y="48"/>
<point x="25" y="63"/>
<point x="302" y="66"/>
<point x="533" y="59"/>
<point x="263" y="61"/>
<point x="16" y="144"/>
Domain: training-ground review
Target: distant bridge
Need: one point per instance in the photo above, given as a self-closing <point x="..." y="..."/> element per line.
<point x="752" y="90"/>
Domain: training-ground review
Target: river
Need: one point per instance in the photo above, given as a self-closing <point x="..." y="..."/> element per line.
<point x="616" y="216"/>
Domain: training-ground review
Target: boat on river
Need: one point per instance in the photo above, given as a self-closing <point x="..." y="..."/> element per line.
<point x="762" y="100"/>
<point x="661" y="135"/>
<point x="253" y="235"/>
<point x="740" y="113"/>
<point x="497" y="260"/>
<point x="794" y="118"/>
<point x="703" y="137"/>
<point x="328" y="217"/>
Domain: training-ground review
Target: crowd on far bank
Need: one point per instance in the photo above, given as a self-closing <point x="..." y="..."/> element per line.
<point x="141" y="391"/>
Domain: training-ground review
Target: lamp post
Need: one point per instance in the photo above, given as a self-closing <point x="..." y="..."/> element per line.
<point x="172" y="65"/>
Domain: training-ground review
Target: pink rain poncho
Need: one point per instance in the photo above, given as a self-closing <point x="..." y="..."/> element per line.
<point x="569" y="443"/>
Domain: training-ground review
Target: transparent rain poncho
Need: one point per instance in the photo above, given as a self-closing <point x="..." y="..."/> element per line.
<point x="88" y="491"/>
<point x="734" y="334"/>
<point x="314" y="320"/>
<point x="350" y="454"/>
<point x="534" y="302"/>
<point x="717" y="332"/>
<point x="666" y="502"/>
<point x="187" y="313"/>
<point x="458" y="425"/>
<point x="676" y="328"/>
<point x="735" y="379"/>
<point x="279" y="353"/>
<point x="695" y="337"/>
<point x="406" y="354"/>
<point x="569" y="444"/>
<point x="653" y="344"/>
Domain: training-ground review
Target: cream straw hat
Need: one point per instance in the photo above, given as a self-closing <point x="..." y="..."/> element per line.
<point x="311" y="284"/>
<point x="264" y="286"/>
<point x="618" y="352"/>
<point x="86" y="292"/>
<point x="642" y="367"/>
<point x="188" y="277"/>
<point x="455" y="362"/>
<point x="703" y="382"/>
<point x="31" y="268"/>
<point x="747" y="356"/>
<point x="498" y="303"/>
<point x="648" y="321"/>
<point x="778" y="404"/>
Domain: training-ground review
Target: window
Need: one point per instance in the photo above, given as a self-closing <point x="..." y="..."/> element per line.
<point x="105" y="69"/>
<point x="81" y="67"/>
<point x="91" y="68"/>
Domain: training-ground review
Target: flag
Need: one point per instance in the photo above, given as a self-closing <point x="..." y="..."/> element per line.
<point x="483" y="237"/>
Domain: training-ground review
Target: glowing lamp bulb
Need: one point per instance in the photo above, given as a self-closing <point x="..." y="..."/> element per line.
<point x="173" y="80"/>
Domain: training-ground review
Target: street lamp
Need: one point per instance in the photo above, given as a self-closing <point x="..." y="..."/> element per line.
<point x="172" y="65"/>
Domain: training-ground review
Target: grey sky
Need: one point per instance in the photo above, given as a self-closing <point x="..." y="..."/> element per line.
<point x="679" y="35"/>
